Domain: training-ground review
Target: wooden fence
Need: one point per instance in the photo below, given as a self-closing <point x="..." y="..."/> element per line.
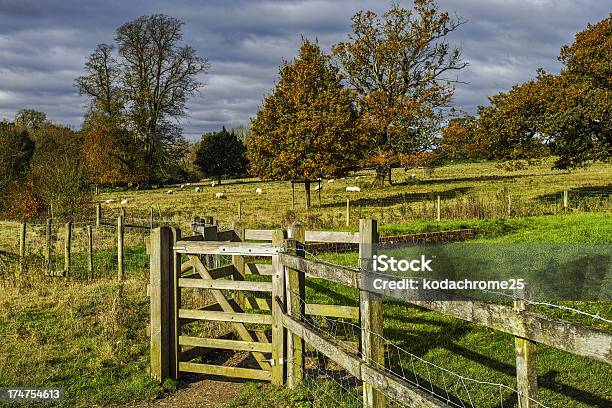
<point x="66" y="233"/>
<point x="188" y="262"/>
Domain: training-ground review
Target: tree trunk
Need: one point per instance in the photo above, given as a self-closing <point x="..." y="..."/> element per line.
<point x="381" y="174"/>
<point x="307" y="189"/>
<point x="219" y="179"/>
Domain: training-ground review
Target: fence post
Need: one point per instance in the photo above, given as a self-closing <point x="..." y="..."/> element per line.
<point x="89" y="252"/>
<point x="278" y="302"/>
<point x="565" y="200"/>
<point x="120" y="248"/>
<point x="438" y="209"/>
<point x="22" y="248"/>
<point x="292" y="196"/>
<point x="296" y="295"/>
<point x="239" y="210"/>
<point x="348" y="212"/>
<point x="48" y="247"/>
<point x="98" y="214"/>
<point x="370" y="313"/>
<point x="175" y="305"/>
<point x="238" y="262"/>
<point x="122" y="212"/>
<point x="151" y="218"/>
<point x="162" y="303"/>
<point x="526" y="372"/>
<point x="67" y="248"/>
<point x="509" y="205"/>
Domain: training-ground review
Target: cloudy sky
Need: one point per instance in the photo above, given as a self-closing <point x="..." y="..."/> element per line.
<point x="44" y="43"/>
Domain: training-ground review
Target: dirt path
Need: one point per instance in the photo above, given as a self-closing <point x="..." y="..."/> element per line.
<point x="201" y="394"/>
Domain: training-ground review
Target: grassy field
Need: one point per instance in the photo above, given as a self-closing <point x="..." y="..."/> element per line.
<point x="474" y="190"/>
<point x="91" y="339"/>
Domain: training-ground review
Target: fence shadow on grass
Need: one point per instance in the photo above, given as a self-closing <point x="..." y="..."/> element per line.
<point x="400" y="198"/>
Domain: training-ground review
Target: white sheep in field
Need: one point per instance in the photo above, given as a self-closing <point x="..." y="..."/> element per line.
<point x="318" y="188"/>
<point x="353" y="189"/>
<point x="212" y="184"/>
<point x="197" y="189"/>
<point x="187" y="184"/>
<point x="110" y="200"/>
<point x="331" y="181"/>
<point x="220" y="195"/>
<point x="259" y="190"/>
<point x="182" y="186"/>
<point x="413" y="176"/>
<point x="125" y="201"/>
<point x="169" y="192"/>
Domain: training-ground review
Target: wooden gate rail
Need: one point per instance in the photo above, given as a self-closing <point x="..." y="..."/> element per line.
<point x="389" y="384"/>
<point x="283" y="309"/>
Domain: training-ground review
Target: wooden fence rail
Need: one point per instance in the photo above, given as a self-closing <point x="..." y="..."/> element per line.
<point x="285" y="310"/>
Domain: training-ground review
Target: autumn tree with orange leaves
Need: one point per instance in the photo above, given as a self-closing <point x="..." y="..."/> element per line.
<point x="306" y="127"/>
<point x="400" y="65"/>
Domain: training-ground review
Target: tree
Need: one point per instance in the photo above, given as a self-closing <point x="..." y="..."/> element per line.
<point x="511" y="126"/>
<point x="58" y="171"/>
<point x="221" y="154"/>
<point x="579" y="116"/>
<point x="16" y="150"/>
<point x="30" y="119"/>
<point x="569" y="112"/>
<point x="397" y="63"/>
<point x="459" y="140"/>
<point x="306" y="127"/>
<point x="148" y="84"/>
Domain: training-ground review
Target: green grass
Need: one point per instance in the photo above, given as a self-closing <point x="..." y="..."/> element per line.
<point x="482" y="188"/>
<point x="89" y="339"/>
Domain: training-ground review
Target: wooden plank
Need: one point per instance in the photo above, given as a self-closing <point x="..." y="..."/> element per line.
<point x="315" y="269"/>
<point x="526" y="370"/>
<point x="160" y="281"/>
<point x="227" y="306"/>
<point x="398" y="389"/>
<point x="238" y="260"/>
<point x="350" y="363"/>
<point x="226" y="248"/>
<point x="258" y="235"/>
<point x="225" y="344"/>
<point x="259" y="269"/>
<point x="176" y="305"/>
<point x="226" y="284"/>
<point x="332" y="236"/>
<point x="571" y="337"/>
<point x="296" y="298"/>
<point x="371" y="313"/>
<point x="234" y="372"/>
<point x="225" y="316"/>
<point x="186" y="266"/>
<point x="278" y="302"/>
<point x="222" y="272"/>
<point x="349" y="312"/>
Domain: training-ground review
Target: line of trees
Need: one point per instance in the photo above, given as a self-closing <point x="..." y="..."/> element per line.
<point x="566" y="114"/>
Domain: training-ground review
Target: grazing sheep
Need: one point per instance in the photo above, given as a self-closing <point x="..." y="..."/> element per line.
<point x="353" y="189"/>
<point x="212" y="184"/>
<point x="125" y="201"/>
<point x="182" y="186"/>
<point x="413" y="176"/>
<point x="220" y="195"/>
<point x="331" y="181"/>
<point x="259" y="190"/>
<point x="169" y="192"/>
<point x="317" y="188"/>
<point x="110" y="200"/>
<point x="187" y="184"/>
<point x="197" y="189"/>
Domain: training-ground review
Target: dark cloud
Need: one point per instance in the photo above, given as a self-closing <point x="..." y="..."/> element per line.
<point x="44" y="44"/>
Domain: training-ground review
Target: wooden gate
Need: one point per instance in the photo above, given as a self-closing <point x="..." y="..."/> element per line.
<point x="194" y="262"/>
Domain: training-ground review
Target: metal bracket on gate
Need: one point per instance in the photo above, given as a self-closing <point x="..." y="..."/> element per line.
<point x="273" y="362"/>
<point x="251" y="251"/>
